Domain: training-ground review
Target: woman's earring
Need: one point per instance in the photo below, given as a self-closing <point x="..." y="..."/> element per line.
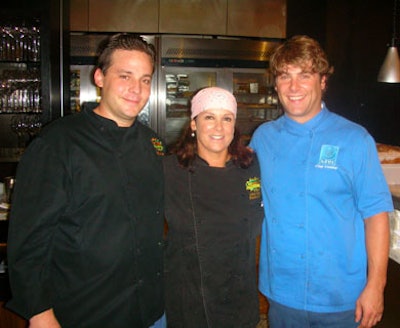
<point x="193" y="134"/>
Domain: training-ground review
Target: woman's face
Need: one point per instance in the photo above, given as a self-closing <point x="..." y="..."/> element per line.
<point x="214" y="129"/>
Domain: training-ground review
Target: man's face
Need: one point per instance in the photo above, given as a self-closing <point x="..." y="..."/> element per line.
<point x="300" y="92"/>
<point x="125" y="87"/>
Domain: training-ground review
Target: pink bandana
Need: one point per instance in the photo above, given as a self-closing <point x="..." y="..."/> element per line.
<point x="213" y="98"/>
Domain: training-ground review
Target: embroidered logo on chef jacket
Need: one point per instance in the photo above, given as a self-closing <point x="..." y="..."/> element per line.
<point x="158" y="146"/>
<point x="253" y="186"/>
<point x="328" y="157"/>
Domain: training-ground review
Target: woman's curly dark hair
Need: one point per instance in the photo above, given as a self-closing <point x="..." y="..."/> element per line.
<point x="186" y="149"/>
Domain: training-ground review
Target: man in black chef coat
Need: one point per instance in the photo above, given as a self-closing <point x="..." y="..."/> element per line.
<point x="86" y="224"/>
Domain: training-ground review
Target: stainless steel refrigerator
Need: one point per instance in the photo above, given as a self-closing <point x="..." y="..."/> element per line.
<point x="240" y="66"/>
<point x="184" y="65"/>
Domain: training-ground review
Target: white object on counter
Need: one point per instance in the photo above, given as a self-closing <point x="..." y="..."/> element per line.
<point x="394" y="218"/>
<point x="392" y="175"/>
<point x="4" y="207"/>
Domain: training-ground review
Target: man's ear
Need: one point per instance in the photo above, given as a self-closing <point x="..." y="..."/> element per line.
<point x="98" y="77"/>
<point x="323" y="83"/>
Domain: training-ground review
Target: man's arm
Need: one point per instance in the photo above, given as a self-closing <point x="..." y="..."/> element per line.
<point x="39" y="198"/>
<point x="370" y="304"/>
<point x="46" y="319"/>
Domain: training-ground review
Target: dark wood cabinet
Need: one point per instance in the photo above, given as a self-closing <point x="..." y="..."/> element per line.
<point x="9" y="319"/>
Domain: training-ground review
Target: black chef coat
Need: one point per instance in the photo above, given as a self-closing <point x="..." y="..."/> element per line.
<point x="86" y="225"/>
<point x="214" y="216"/>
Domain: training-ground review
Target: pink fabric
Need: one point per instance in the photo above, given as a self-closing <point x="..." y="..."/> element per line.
<point x="213" y="98"/>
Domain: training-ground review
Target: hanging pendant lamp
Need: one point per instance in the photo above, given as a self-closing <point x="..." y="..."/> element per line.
<point x="390" y="69"/>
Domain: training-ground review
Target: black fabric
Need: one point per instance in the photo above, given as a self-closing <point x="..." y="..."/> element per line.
<point x="86" y="225"/>
<point x="210" y="267"/>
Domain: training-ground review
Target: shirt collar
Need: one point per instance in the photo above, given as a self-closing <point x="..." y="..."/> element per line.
<point x="311" y="125"/>
<point x="201" y="162"/>
<point x="104" y="123"/>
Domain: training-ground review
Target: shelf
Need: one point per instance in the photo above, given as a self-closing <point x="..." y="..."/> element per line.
<point x="31" y="113"/>
<point x="18" y="62"/>
<point x="256" y="106"/>
<point x="10" y="155"/>
<point x="259" y="94"/>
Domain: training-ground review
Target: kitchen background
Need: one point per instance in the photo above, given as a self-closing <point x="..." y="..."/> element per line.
<point x="355" y="34"/>
<point x="186" y="64"/>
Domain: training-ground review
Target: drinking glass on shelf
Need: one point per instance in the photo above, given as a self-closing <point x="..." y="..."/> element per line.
<point x="34" y="125"/>
<point x="20" y="91"/>
<point x="19" y="127"/>
<point x="20" y="42"/>
<point x="4" y="89"/>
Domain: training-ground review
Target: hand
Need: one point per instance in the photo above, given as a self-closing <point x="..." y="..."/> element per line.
<point x="369" y="307"/>
<point x="45" y="319"/>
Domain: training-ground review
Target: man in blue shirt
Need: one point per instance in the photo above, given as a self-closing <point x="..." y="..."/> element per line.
<point x="325" y="238"/>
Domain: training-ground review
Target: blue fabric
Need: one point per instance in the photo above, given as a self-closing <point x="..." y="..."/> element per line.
<point x="280" y="316"/>
<point x="320" y="180"/>
<point x="160" y="323"/>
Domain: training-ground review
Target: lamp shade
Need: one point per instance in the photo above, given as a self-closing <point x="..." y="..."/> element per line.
<point x="390" y="69"/>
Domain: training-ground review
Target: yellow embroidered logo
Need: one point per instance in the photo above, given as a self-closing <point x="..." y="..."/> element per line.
<point x="253" y="186"/>
<point x="158" y="146"/>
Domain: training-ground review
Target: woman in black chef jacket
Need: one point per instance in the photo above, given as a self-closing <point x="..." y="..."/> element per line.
<point x="214" y="214"/>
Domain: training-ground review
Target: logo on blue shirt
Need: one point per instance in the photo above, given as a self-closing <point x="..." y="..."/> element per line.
<point x="328" y="157"/>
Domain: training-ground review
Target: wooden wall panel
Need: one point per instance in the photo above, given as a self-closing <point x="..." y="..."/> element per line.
<point x="79" y="15"/>
<point x="123" y="16"/>
<point x="193" y="16"/>
<point x="257" y="18"/>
